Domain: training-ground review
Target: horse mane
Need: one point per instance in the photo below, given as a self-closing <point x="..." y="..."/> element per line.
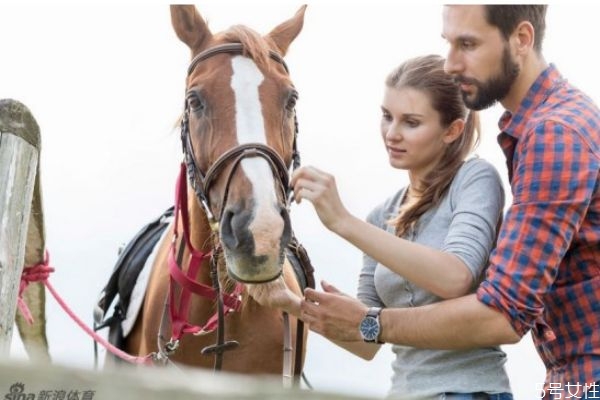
<point x="254" y="44"/>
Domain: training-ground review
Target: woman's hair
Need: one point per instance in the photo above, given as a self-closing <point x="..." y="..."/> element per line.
<point x="426" y="74"/>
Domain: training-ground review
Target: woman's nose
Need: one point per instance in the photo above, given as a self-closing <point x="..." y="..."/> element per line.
<point x="393" y="132"/>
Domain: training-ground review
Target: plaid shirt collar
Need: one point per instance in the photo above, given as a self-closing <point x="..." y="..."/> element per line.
<point x="512" y="126"/>
<point x="538" y="93"/>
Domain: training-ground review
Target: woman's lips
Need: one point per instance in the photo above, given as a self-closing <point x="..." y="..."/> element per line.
<point x="396" y="151"/>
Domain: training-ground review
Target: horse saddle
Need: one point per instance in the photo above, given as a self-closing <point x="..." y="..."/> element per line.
<point x="126" y="273"/>
<point x="127" y="283"/>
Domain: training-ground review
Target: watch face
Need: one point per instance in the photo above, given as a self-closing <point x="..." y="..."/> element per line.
<point x="369" y="328"/>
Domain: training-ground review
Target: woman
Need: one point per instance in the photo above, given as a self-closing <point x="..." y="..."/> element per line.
<point x="429" y="241"/>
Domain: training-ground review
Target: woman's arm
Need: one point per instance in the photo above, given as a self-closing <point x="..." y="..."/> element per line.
<point x="439" y="272"/>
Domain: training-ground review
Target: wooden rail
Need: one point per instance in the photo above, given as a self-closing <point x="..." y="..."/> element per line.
<point x="144" y="383"/>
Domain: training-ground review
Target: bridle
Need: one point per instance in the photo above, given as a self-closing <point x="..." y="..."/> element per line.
<point x="201" y="182"/>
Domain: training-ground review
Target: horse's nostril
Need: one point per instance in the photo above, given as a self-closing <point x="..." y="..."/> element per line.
<point x="227" y="235"/>
<point x="235" y="234"/>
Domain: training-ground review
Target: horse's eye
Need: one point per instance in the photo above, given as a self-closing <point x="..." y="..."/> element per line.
<point x="194" y="102"/>
<point x="291" y="101"/>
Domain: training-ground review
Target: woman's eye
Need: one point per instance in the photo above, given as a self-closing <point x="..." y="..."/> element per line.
<point x="386" y="116"/>
<point x="412" y="123"/>
<point x="194" y="102"/>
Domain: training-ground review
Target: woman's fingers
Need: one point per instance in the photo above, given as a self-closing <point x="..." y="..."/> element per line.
<point x="306" y="184"/>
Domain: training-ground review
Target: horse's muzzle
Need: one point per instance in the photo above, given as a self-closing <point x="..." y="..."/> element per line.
<point x="254" y="247"/>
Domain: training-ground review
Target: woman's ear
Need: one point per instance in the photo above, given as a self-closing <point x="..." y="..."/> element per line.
<point x="454" y="131"/>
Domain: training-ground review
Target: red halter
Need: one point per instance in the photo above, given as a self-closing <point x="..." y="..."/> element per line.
<point x="179" y="321"/>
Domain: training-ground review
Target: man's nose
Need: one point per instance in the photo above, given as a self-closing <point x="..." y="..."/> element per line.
<point x="453" y="64"/>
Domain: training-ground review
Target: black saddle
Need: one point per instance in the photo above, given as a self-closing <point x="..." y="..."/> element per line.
<point x="130" y="263"/>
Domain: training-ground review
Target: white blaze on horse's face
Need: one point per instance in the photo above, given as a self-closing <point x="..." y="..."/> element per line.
<point x="267" y="224"/>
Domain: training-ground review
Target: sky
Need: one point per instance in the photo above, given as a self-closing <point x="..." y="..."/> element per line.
<point x="106" y="85"/>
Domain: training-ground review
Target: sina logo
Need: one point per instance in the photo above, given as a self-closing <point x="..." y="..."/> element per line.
<point x="16" y="393"/>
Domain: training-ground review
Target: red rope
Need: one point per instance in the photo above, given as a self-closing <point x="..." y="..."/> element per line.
<point x="35" y="273"/>
<point x="41" y="273"/>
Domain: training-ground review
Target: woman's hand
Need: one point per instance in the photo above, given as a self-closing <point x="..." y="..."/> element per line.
<point x="320" y="189"/>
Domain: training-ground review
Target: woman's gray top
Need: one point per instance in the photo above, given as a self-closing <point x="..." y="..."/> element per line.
<point x="464" y="223"/>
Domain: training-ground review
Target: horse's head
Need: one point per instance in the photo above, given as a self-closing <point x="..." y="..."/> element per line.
<point x="239" y="134"/>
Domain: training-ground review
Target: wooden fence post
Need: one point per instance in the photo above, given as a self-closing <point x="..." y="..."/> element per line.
<point x="19" y="156"/>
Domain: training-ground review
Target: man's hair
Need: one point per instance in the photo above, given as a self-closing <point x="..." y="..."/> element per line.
<point x="507" y="17"/>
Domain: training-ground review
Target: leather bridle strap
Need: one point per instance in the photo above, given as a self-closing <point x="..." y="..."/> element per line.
<point x="235" y="155"/>
<point x="201" y="182"/>
<point x="287" y="352"/>
<point x="229" y="48"/>
<point x="248" y="150"/>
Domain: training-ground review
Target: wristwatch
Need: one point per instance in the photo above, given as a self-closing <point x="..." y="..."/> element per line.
<point x="369" y="327"/>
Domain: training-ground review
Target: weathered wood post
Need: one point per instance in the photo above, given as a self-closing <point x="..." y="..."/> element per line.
<point x="22" y="238"/>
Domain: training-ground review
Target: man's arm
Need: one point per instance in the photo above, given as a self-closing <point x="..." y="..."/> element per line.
<point x="459" y="323"/>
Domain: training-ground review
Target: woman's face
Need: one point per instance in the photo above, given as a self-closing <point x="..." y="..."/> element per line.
<point x="411" y="131"/>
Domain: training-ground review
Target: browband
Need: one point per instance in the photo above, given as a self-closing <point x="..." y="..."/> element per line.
<point x="237" y="48"/>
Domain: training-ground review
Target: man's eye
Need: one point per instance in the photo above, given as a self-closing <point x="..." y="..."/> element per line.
<point x="467" y="44"/>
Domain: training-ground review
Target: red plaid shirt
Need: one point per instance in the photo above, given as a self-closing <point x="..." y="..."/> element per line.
<point x="544" y="274"/>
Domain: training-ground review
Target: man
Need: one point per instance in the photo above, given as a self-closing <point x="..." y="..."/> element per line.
<point x="544" y="274"/>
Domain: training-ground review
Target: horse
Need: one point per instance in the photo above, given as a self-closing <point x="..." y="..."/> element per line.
<point x="231" y="224"/>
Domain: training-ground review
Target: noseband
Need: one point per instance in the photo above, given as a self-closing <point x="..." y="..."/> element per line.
<point x="201" y="182"/>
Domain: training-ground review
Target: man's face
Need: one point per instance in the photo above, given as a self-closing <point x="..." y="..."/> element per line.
<point x="479" y="58"/>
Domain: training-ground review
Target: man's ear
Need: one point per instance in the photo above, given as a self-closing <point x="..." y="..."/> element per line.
<point x="454" y="131"/>
<point x="524" y="37"/>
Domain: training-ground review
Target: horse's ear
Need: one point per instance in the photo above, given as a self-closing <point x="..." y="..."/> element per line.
<point x="189" y="26"/>
<point x="284" y="33"/>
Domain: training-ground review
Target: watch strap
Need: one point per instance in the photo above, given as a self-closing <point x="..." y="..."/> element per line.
<point x="376" y="313"/>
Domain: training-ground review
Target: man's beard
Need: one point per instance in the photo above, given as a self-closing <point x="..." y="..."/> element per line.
<point x="496" y="88"/>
